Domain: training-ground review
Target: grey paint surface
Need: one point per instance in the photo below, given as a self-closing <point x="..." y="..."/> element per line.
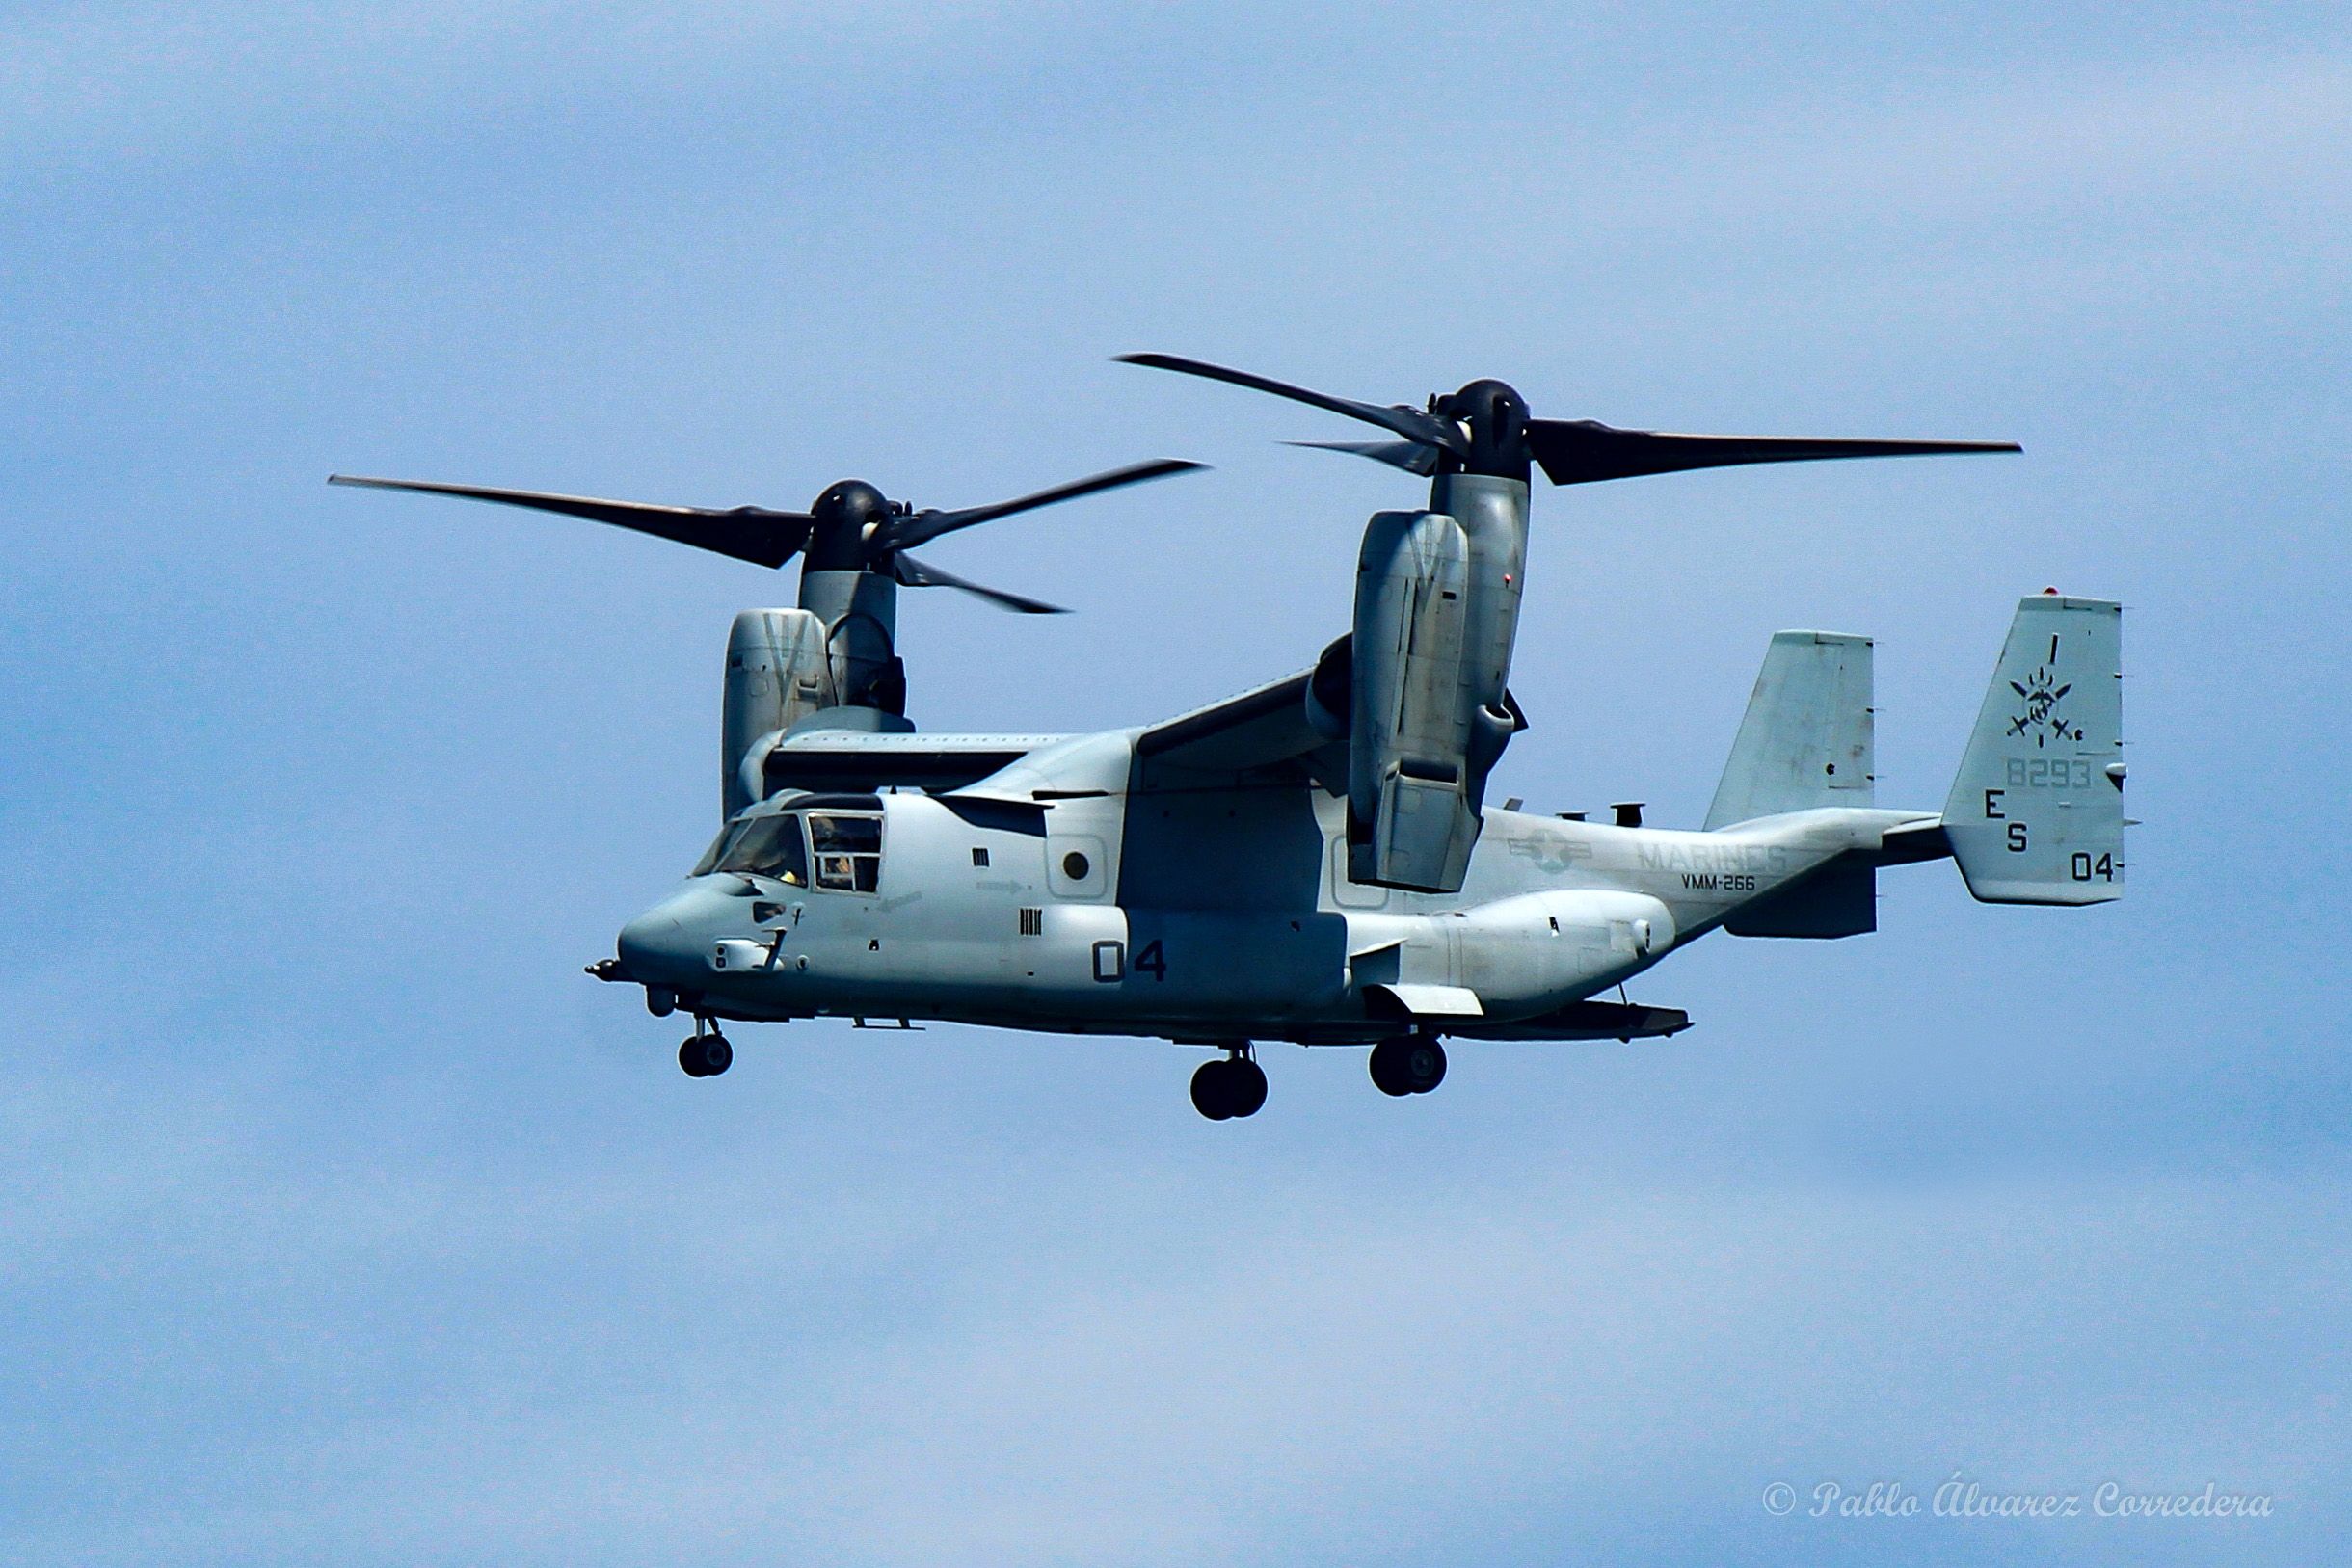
<point x="1805" y="738"/>
<point x="1196" y="887"/>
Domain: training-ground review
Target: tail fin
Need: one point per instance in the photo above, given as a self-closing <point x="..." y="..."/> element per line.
<point x="1806" y="741"/>
<point x="2037" y="811"/>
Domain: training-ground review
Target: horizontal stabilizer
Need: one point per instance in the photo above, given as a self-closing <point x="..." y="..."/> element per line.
<point x="2036" y="814"/>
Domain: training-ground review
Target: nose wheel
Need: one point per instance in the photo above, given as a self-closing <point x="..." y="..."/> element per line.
<point x="1233" y="1088"/>
<point x="1409" y="1065"/>
<point x="706" y="1054"/>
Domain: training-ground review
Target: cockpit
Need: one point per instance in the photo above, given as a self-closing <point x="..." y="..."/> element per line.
<point x="837" y="838"/>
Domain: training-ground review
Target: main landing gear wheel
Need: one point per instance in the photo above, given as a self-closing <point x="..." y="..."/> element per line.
<point x="1411" y="1065"/>
<point x="706" y="1055"/>
<point x="1230" y="1088"/>
<point x="1245" y="1081"/>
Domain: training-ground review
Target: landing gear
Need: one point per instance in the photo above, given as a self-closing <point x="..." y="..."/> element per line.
<point x="1246" y="1082"/>
<point x="1233" y="1087"/>
<point x="1409" y="1065"/>
<point x="706" y="1055"/>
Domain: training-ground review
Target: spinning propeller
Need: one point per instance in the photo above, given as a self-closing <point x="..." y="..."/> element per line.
<point x="852" y="527"/>
<point x="1484" y="429"/>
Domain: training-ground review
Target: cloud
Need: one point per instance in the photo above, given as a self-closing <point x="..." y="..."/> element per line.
<point x="168" y="72"/>
<point x="787" y="1350"/>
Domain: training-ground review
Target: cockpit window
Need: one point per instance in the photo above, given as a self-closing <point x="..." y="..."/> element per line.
<point x="766" y="846"/>
<point x="849" y="851"/>
<point x="710" y="861"/>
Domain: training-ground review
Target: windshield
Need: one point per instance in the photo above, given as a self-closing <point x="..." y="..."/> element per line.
<point x="766" y="846"/>
<point x="718" y="846"/>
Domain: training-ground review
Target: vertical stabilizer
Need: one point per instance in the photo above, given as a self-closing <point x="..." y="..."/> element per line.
<point x="2037" y="811"/>
<point x="1805" y="740"/>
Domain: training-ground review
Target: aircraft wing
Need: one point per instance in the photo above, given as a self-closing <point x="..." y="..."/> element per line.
<point x="1263" y="735"/>
<point x="824" y="759"/>
<point x="1259" y="737"/>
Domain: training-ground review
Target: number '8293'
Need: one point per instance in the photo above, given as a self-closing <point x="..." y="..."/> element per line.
<point x="2051" y="773"/>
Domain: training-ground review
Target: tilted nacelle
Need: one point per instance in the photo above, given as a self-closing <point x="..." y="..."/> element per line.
<point x="777" y="674"/>
<point x="786" y="668"/>
<point x="1436" y="609"/>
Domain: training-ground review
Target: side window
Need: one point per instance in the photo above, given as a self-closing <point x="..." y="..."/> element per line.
<point x="768" y="846"/>
<point x="849" y="851"/>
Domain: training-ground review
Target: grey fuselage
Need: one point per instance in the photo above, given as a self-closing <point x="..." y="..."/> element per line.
<point x="1061" y="895"/>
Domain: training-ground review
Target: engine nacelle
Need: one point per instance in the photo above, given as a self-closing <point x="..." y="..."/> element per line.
<point x="778" y="673"/>
<point x="1421" y="739"/>
<point x="860" y="613"/>
<point x="1408" y="822"/>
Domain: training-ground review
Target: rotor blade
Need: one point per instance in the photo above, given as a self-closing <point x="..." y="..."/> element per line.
<point x="922" y="527"/>
<point x="1413" y="457"/>
<point x="913" y="573"/>
<point x="747" y="533"/>
<point x="1413" y="424"/>
<point x="1585" y="451"/>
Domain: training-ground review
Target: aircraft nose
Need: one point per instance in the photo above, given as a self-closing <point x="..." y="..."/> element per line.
<point x="664" y="946"/>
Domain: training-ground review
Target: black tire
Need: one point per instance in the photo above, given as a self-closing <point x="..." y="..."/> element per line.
<point x="706" y="1055"/>
<point x="1388" y="1068"/>
<point x="1245" y="1084"/>
<point x="1424" y="1065"/>
<point x="1213" y="1090"/>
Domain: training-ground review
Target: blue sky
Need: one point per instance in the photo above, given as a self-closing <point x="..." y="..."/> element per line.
<point x="344" y="1220"/>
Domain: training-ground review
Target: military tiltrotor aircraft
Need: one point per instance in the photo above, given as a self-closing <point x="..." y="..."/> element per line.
<point x="1312" y="861"/>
